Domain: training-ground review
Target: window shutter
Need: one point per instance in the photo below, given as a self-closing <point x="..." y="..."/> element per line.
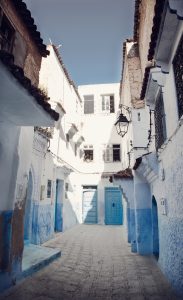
<point x="89" y="104"/>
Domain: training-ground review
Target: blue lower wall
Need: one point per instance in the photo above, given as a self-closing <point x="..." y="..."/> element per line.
<point x="133" y="231"/>
<point x="43" y="220"/>
<point x="144" y="231"/>
<point x="171" y="250"/>
<point x="10" y="267"/>
<point x="139" y="223"/>
<point x="128" y="224"/>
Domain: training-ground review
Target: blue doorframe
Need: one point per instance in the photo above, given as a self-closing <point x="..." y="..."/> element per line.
<point x="113" y="206"/>
<point x="59" y="205"/>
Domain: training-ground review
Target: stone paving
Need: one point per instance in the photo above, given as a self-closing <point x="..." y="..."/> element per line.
<point x="96" y="263"/>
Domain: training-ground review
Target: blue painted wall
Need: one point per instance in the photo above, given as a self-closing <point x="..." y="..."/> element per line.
<point x="128" y="224"/>
<point x="144" y="231"/>
<point x="10" y="268"/>
<point x="43" y="221"/>
<point x="133" y="231"/>
<point x="171" y="250"/>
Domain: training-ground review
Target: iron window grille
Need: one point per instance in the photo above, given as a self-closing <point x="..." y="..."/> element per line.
<point x="178" y="73"/>
<point x="49" y="188"/>
<point x="88" y="153"/>
<point x="88" y="104"/>
<point x="108" y="103"/>
<point x="160" y="121"/>
<point x="112" y="153"/>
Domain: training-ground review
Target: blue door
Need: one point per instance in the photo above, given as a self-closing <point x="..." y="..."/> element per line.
<point x="90" y="206"/>
<point x="59" y="205"/>
<point x="113" y="206"/>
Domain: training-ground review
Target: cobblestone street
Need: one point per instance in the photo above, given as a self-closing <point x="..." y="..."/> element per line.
<point x="96" y="263"/>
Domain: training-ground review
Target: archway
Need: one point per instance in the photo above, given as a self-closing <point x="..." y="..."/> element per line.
<point x="28" y="210"/>
<point x="155" y="229"/>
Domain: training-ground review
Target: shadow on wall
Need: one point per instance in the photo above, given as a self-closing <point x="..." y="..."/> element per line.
<point x="70" y="217"/>
<point x="89" y="205"/>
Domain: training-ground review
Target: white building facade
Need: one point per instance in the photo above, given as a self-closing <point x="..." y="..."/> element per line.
<point x="102" y="154"/>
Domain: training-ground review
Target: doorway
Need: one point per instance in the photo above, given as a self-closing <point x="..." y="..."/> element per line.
<point x="89" y="204"/>
<point x="155" y="228"/>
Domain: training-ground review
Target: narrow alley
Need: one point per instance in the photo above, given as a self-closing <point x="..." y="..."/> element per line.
<point x="96" y="263"/>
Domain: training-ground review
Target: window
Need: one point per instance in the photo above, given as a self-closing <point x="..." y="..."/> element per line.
<point x="88" y="153"/>
<point x="112" y="153"/>
<point x="178" y="72"/>
<point x="66" y="190"/>
<point x="67" y="140"/>
<point x="49" y="189"/>
<point x="108" y="103"/>
<point x="6" y="33"/>
<point x="160" y="122"/>
<point x="89" y="104"/>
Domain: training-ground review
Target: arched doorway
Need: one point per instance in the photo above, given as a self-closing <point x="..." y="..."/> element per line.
<point x="28" y="210"/>
<point x="155" y="229"/>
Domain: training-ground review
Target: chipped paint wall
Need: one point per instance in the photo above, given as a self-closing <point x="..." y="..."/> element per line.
<point x="25" y="51"/>
<point x="15" y="163"/>
<point x="43" y="204"/>
<point x="145" y="28"/>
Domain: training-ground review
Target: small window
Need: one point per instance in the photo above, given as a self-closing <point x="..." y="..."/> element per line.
<point x="49" y="188"/>
<point x="112" y="153"/>
<point x="67" y="140"/>
<point x="88" y="153"/>
<point x="6" y="33"/>
<point x="89" y="104"/>
<point x="108" y="103"/>
<point x="42" y="192"/>
<point x="116" y="152"/>
<point x="160" y="121"/>
<point x="66" y="190"/>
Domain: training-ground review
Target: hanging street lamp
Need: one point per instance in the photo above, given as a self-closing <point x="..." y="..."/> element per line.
<point x="122" y="122"/>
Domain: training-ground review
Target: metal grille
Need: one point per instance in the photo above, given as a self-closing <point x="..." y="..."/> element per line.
<point x="178" y="72"/>
<point x="160" y="124"/>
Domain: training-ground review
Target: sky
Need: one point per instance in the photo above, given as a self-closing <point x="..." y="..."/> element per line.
<point x="91" y="33"/>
